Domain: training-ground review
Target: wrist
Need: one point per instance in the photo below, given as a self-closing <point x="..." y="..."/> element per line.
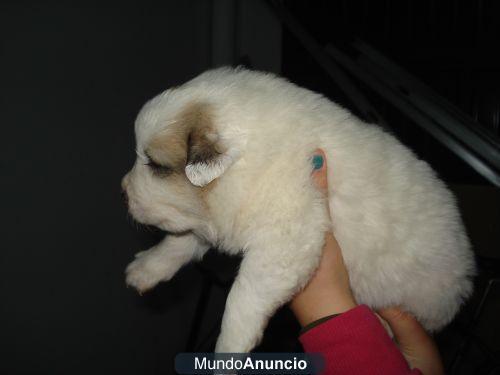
<point x="312" y="308"/>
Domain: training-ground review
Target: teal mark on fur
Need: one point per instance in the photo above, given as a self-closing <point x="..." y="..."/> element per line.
<point x="317" y="161"/>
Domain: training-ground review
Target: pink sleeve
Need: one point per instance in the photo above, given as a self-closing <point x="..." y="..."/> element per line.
<point x="355" y="342"/>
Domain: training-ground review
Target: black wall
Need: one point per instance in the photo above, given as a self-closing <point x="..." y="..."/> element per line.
<point x="73" y="77"/>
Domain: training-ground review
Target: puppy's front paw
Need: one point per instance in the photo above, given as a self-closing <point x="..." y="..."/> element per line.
<point x="145" y="271"/>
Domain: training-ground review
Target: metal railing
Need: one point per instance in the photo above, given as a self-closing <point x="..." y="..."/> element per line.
<point x="428" y="110"/>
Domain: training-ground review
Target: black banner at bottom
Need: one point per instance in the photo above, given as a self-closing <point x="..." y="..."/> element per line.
<point x="248" y="363"/>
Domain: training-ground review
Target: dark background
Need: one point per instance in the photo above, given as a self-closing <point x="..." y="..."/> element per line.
<point x="73" y="75"/>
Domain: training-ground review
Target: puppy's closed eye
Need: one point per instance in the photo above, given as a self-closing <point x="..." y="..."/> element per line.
<point x="157" y="168"/>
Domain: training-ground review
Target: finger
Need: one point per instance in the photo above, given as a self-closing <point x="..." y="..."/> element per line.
<point x="407" y="330"/>
<point x="319" y="172"/>
<point x="416" y="345"/>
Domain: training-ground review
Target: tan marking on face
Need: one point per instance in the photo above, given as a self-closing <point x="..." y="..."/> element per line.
<point x="202" y="140"/>
<point x="168" y="148"/>
<point x="190" y="138"/>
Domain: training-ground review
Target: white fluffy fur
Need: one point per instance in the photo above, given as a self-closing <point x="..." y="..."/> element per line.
<point x="398" y="226"/>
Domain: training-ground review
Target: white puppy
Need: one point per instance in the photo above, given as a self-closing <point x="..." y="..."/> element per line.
<point x="225" y="161"/>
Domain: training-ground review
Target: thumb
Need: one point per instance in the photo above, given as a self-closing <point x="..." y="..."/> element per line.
<point x="319" y="172"/>
<point x="416" y="345"/>
<point x="407" y="330"/>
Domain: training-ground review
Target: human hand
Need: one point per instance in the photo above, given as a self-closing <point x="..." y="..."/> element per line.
<point x="414" y="342"/>
<point x="329" y="291"/>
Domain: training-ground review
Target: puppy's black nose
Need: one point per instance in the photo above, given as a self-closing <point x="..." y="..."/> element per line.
<point x="125" y="196"/>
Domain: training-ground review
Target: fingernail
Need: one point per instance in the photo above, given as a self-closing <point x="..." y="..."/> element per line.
<point x="317" y="161"/>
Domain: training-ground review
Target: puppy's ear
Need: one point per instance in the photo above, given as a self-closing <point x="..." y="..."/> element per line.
<point x="207" y="159"/>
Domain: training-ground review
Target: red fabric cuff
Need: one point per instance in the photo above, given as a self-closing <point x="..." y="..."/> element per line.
<point x="355" y="342"/>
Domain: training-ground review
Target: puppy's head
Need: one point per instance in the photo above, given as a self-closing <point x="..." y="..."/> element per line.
<point x="179" y="153"/>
